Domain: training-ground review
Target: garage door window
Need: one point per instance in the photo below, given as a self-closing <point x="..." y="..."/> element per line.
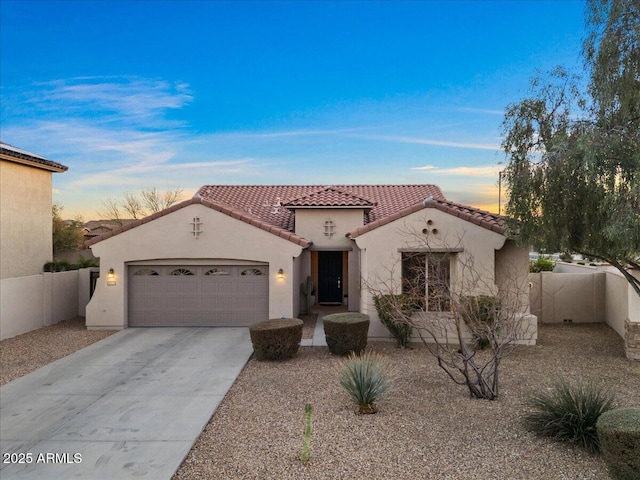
<point x="252" y="272"/>
<point x="217" y="271"/>
<point x="145" y="271"/>
<point x="181" y="271"/>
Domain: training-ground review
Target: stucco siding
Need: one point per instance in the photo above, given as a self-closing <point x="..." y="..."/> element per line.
<point x="25" y="219"/>
<point x="473" y="250"/>
<point x="170" y="237"/>
<point x="310" y="223"/>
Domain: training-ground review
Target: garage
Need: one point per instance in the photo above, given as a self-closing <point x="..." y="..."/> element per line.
<point x="197" y="295"/>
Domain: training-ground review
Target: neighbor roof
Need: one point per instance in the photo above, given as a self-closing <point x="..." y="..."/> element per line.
<point x="15" y="154"/>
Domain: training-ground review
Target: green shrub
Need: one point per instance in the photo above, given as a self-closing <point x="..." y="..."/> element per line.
<point x="65" y="266"/>
<point x="570" y="413"/>
<point x="276" y="339"/>
<point x="390" y="310"/>
<point x="365" y="378"/>
<point x="619" y="434"/>
<point x="480" y="313"/>
<point x="542" y="264"/>
<point x="346" y="332"/>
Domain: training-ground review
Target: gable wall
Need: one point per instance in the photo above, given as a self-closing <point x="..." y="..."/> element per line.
<point x="169" y="239"/>
<point x="25" y="219"/>
<point x="310" y="225"/>
<point x="381" y="254"/>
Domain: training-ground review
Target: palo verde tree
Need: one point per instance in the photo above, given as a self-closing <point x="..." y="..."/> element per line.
<point x="573" y="173"/>
<point x="140" y="205"/>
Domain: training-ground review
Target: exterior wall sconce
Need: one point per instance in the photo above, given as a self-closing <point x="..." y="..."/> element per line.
<point x="280" y="274"/>
<point x="111" y="278"/>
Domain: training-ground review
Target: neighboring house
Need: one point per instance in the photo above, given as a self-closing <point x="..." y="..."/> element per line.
<point x="25" y="211"/>
<point x="95" y="228"/>
<point x="235" y="255"/>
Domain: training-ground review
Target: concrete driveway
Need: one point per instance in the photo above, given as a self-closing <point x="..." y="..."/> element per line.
<point x="128" y="406"/>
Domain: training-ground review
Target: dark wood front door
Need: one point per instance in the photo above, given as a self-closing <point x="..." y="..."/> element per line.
<point x="329" y="277"/>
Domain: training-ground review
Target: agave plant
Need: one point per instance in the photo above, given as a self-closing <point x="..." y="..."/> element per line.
<point x="570" y="413"/>
<point x="366" y="378"/>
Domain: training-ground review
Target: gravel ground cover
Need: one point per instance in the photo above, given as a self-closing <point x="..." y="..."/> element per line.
<point x="27" y="352"/>
<point x="427" y="427"/>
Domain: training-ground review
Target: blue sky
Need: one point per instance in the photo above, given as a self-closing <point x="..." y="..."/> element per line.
<point x="137" y="94"/>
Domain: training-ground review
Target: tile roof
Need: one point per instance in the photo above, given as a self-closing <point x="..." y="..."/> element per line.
<point x="22" y="156"/>
<point x="232" y="212"/>
<point x="271" y="202"/>
<point x="272" y="207"/>
<point x="330" y="197"/>
<point x="482" y="218"/>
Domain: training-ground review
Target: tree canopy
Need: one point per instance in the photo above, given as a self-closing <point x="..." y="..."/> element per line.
<point x="135" y="206"/>
<point x="67" y="234"/>
<point x="573" y="147"/>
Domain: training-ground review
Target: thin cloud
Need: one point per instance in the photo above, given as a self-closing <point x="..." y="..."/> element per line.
<point x="489" y="171"/>
<point x="426" y="167"/>
<point x="424" y="141"/>
<point x="106" y="101"/>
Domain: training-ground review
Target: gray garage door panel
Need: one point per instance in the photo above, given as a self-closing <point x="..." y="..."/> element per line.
<point x="198" y="295"/>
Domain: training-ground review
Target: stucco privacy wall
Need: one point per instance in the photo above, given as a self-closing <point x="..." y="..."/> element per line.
<point x="25" y="219"/>
<point x="170" y="237"/>
<point x="37" y="301"/>
<point x="563" y="297"/>
<point x="381" y="254"/>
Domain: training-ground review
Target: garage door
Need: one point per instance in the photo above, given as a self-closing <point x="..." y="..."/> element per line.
<point x="185" y="295"/>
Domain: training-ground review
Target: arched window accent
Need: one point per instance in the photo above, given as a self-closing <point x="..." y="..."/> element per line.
<point x="145" y="271"/>
<point x="252" y="272"/>
<point x="217" y="271"/>
<point x="181" y="271"/>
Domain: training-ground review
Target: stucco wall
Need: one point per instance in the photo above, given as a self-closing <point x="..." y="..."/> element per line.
<point x="310" y="224"/>
<point x="616" y="301"/>
<point x="381" y="255"/>
<point x="564" y="297"/>
<point x="36" y="301"/>
<point x="170" y="237"/>
<point x="25" y="219"/>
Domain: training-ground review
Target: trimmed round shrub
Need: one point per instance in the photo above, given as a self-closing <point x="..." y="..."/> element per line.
<point x="346" y="332"/>
<point x="276" y="339"/>
<point x="619" y="434"/>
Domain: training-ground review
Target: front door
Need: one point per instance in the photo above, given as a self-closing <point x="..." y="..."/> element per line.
<point x="330" y="277"/>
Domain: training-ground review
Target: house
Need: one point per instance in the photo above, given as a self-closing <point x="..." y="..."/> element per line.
<point x="25" y="211"/>
<point x="234" y="255"/>
<point x="95" y="228"/>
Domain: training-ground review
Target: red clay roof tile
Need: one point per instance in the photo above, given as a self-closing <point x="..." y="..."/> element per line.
<point x="272" y="207"/>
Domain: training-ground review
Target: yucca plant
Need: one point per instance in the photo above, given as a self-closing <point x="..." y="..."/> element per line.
<point x="366" y="378"/>
<point x="570" y="412"/>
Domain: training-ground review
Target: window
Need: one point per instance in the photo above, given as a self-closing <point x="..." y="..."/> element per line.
<point x="145" y="271"/>
<point x="217" y="272"/>
<point x="252" y="272"/>
<point x="181" y="271"/>
<point x="427" y="278"/>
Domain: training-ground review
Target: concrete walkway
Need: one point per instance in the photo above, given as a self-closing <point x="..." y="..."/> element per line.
<point x="128" y="406"/>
